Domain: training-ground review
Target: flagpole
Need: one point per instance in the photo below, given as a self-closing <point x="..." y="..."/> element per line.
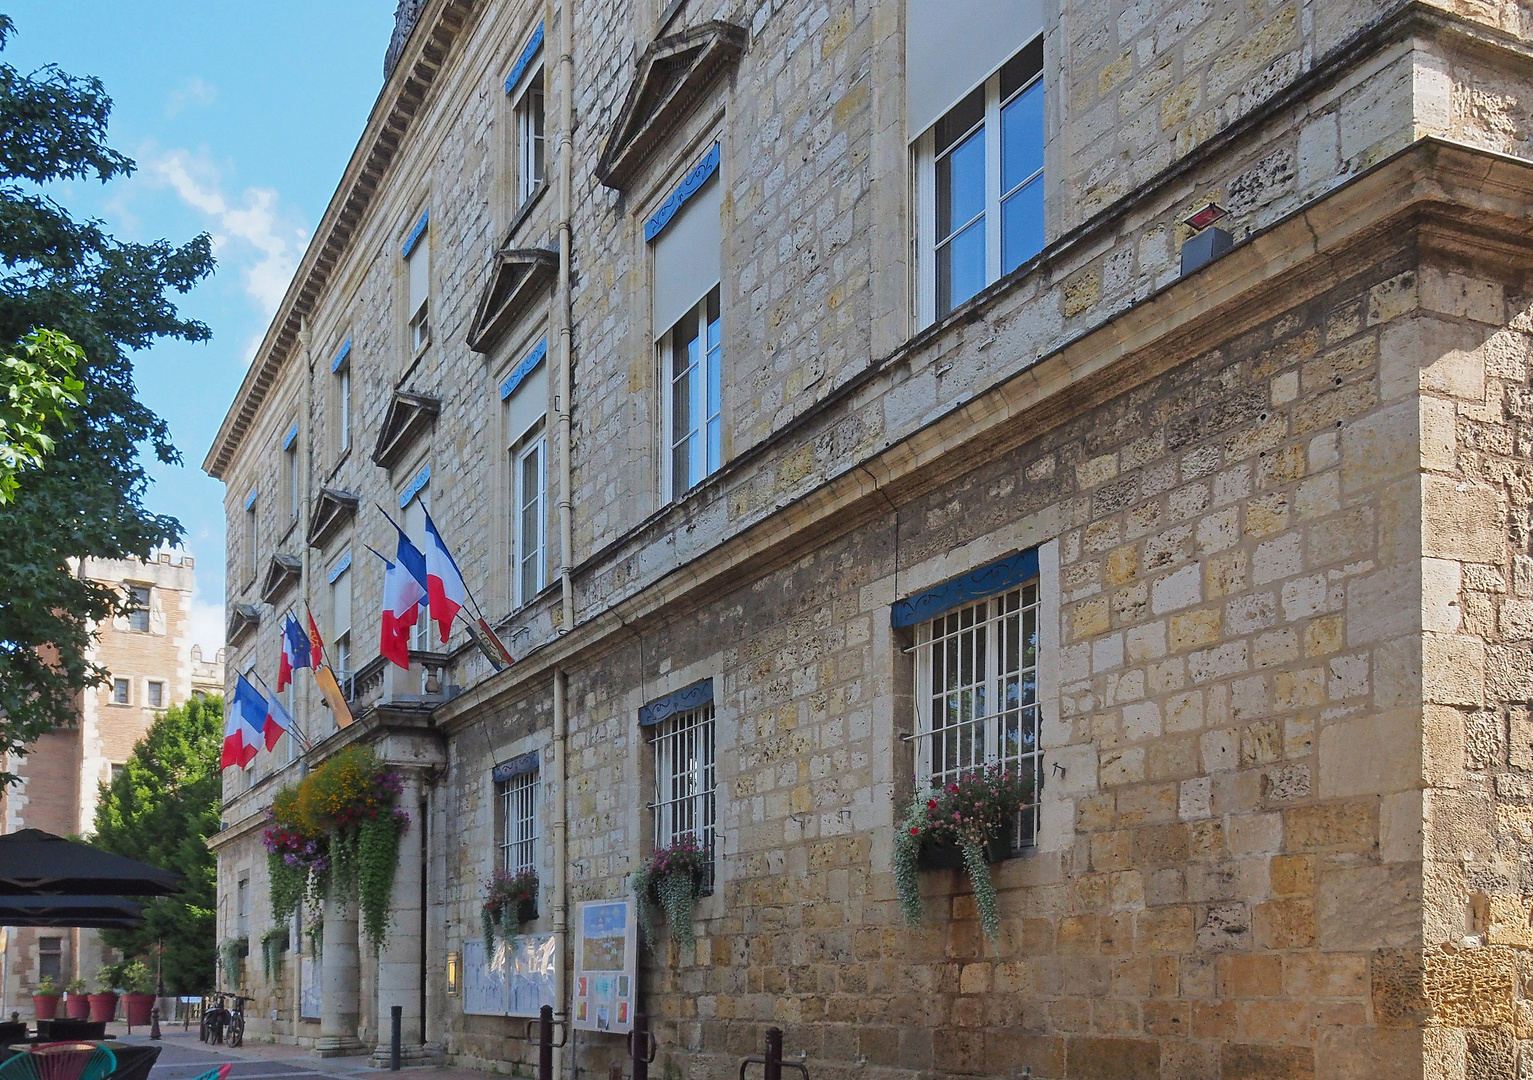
<point x="302" y="736"/>
<point x="478" y="611"/>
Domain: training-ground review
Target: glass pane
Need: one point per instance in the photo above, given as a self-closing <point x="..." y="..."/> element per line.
<point x="961" y="185"/>
<point x="960" y="119"/>
<point x="1022" y="67"/>
<point x="1022" y="226"/>
<point x="1022" y="137"/>
<point x="961" y="266"/>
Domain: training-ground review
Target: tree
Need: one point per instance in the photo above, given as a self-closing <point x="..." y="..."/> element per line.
<point x="111" y="299"/>
<point x="161" y="809"/>
<point x="38" y="390"/>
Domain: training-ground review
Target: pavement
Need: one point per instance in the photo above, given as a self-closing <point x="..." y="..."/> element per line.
<point x="184" y="1056"/>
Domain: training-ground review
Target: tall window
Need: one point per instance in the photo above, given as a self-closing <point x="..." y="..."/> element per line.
<point x="120" y="692"/>
<point x="242" y="909"/>
<point x="519" y="821"/>
<point x="138" y="618"/>
<point x="531" y="518"/>
<point x="252" y="555"/>
<point x="977" y="694"/>
<point x="694" y="357"/>
<point x="156" y="694"/>
<point x="979" y="175"/>
<point x="290" y="473"/>
<point x="529" y="136"/>
<point x="418" y="271"/>
<point x="340" y="617"/>
<point x="685" y="780"/>
<point x="343" y="406"/>
<point x="50" y="958"/>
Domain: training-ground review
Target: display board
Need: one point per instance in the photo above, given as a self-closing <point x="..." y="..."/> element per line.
<point x="517" y="980"/>
<point x="605" y="947"/>
<point x="309" y="974"/>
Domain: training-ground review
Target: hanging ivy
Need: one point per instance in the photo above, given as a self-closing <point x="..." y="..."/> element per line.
<point x="673" y="878"/>
<point x="232" y="951"/>
<point x="340" y="821"/>
<point x="510" y="900"/>
<point x="274" y="943"/>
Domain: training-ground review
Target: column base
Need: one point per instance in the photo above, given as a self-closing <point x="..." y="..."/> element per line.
<point x="410" y="1054"/>
<point x="328" y="1046"/>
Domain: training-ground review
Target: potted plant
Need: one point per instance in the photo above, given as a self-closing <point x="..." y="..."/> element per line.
<point x="45" y="999"/>
<point x="138" y="1002"/>
<point x="103" y="1005"/>
<point x="232" y="951"/>
<point x="510" y="900"/>
<point x="967" y="823"/>
<point x="77" y="1004"/>
<point x="672" y="877"/>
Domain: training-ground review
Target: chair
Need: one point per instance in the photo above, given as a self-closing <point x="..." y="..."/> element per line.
<point x="12" y="1032"/>
<point x="60" y="1061"/>
<point x="218" y="1072"/>
<point x="134" y="1062"/>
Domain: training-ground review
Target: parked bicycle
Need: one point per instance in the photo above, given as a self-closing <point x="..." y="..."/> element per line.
<point x="222" y="1026"/>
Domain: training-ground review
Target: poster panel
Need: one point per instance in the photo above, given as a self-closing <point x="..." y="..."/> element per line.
<point x="605" y="947"/>
<point x="517" y="980"/>
<point x="308" y="986"/>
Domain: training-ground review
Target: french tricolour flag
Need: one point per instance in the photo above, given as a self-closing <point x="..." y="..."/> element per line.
<point x="444" y="585"/>
<point x="278" y="721"/>
<point x="295" y="652"/>
<point x="243" y="727"/>
<point x="404" y="587"/>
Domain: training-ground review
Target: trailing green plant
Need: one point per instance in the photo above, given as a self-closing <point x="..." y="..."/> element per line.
<point x="509" y="901"/>
<point x="314" y="930"/>
<point x="673" y="878"/>
<point x="274" y="943"/>
<point x="233" y="952"/>
<point x="340" y="822"/>
<point x="973" y="811"/>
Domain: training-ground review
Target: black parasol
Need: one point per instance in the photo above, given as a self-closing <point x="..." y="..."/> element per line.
<point x="101" y="912"/>
<point x="35" y="863"/>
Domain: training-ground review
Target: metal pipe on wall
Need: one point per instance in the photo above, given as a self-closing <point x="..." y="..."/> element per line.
<point x="566" y="315"/>
<point x="561" y="854"/>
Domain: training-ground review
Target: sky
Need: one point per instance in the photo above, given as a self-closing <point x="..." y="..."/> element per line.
<point x="241" y="117"/>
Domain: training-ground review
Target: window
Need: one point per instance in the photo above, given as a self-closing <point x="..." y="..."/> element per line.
<point x="343" y="406"/>
<point x="118" y="768"/>
<point x="977" y="694"/>
<point x="519" y="821"/>
<point x="156" y="695"/>
<point x="242" y="909"/>
<point x="290" y="471"/>
<point x="418" y="272"/>
<point x="694" y="362"/>
<point x="50" y="958"/>
<point x="340" y="617"/>
<point x="138" y="618"/>
<point x="252" y="556"/>
<point x="529" y="136"/>
<point x="120" y="694"/>
<point x="684" y="780"/>
<point x="531" y="518"/>
<point x="423" y="634"/>
<point x="979" y="178"/>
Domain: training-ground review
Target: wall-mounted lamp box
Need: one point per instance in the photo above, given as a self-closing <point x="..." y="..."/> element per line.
<point x="1204" y="248"/>
<point x="453" y="977"/>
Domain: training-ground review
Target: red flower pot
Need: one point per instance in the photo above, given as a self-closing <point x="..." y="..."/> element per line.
<point x="47" y="1005"/>
<point x="137" y="1006"/>
<point x="103" y="1007"/>
<point x="78" y="1006"/>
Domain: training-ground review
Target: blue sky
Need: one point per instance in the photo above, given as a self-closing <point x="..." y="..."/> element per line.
<point x="241" y="117"/>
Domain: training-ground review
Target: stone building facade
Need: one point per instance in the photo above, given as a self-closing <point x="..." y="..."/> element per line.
<point x="151" y="665"/>
<point x="1261" y="522"/>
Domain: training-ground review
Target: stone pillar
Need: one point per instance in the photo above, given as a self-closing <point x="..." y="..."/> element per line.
<point x="399" y="960"/>
<point x="339" y="974"/>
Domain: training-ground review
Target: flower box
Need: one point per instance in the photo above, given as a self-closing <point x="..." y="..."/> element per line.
<point x="939" y="855"/>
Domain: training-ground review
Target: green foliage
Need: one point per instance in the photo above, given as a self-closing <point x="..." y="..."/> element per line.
<point x="673" y="878"/>
<point x="274" y="943"/>
<point x="46" y="987"/>
<point x="510" y="899"/>
<point x="136" y="977"/>
<point x="111" y="300"/>
<point x="38" y="390"/>
<point x="907" y="860"/>
<point x="110" y="978"/>
<point x="161" y="809"/>
<point x="75" y="986"/>
<point x="232" y="951"/>
<point x="377" y="856"/>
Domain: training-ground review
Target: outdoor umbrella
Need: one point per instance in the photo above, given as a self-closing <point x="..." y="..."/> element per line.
<point x="97" y="911"/>
<point x="35" y="863"/>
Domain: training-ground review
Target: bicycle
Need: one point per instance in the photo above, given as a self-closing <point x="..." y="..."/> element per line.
<point x="235" y="1035"/>
<point x="214" y="1019"/>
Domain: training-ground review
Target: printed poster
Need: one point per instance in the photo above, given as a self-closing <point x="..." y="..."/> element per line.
<point x="309" y="995"/>
<point x="516" y="981"/>
<point x="605" y="947"/>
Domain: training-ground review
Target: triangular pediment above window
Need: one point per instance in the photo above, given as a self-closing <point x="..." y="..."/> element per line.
<point x="517" y="277"/>
<point x="332" y="509"/>
<point x="282" y="573"/>
<point x="243" y="619"/>
<point x="408" y="417"/>
<point x="672" y="75"/>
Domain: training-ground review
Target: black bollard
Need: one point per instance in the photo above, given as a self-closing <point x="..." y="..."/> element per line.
<point x="641" y="1047"/>
<point x="771" y="1069"/>
<point x="546" y="1043"/>
<point x="154" y="1021"/>
<point x="396" y="1021"/>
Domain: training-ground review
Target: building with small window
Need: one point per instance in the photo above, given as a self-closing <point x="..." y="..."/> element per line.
<point x="826" y="402"/>
<point x="151" y="664"/>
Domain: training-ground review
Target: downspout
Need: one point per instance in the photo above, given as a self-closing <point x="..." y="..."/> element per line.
<point x="301" y="701"/>
<point x="561" y="856"/>
<point x="566" y="315"/>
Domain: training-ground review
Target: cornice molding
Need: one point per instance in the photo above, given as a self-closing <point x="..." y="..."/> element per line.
<point x="243" y="619"/>
<point x="407" y="418"/>
<point x="668" y="85"/>
<point x="282" y="573"/>
<point x="332" y="509"/>
<point x="516" y="276"/>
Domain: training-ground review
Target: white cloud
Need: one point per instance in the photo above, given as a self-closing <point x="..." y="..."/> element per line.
<point x="193" y="91"/>
<point x="253" y="232"/>
<point x="206" y="623"/>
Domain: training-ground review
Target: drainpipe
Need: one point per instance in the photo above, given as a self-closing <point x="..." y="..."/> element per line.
<point x="301" y="701"/>
<point x="561" y="854"/>
<point x="566" y="314"/>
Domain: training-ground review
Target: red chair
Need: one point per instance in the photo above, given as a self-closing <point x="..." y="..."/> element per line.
<point x="60" y="1061"/>
<point x="220" y="1072"/>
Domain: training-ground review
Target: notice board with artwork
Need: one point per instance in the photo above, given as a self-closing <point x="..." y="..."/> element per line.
<point x="605" y="986"/>
<point x="516" y="979"/>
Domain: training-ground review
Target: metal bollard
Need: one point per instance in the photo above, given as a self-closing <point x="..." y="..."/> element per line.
<point x="641" y="1047"/>
<point x="546" y="1043"/>
<point x="771" y="1062"/>
<point x="154" y="1021"/>
<point x="396" y="1021"/>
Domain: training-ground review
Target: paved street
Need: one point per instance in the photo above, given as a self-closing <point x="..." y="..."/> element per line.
<point x="184" y="1057"/>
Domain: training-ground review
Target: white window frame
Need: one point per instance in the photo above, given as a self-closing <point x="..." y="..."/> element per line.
<point x="924" y="168"/>
<point x="126" y="685"/>
<point x="518" y="840"/>
<point x="150" y="686"/>
<point x="533" y="505"/>
<point x="686" y="780"/>
<point x="531" y="143"/>
<point x="343" y="406"/>
<point x="241" y="909"/>
<point x="418" y="322"/>
<point x="252" y="536"/>
<point x="290" y="467"/>
<point x="141" y="612"/>
<point x="979" y="737"/>
<point x="341" y="642"/>
<point x="707" y="389"/>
